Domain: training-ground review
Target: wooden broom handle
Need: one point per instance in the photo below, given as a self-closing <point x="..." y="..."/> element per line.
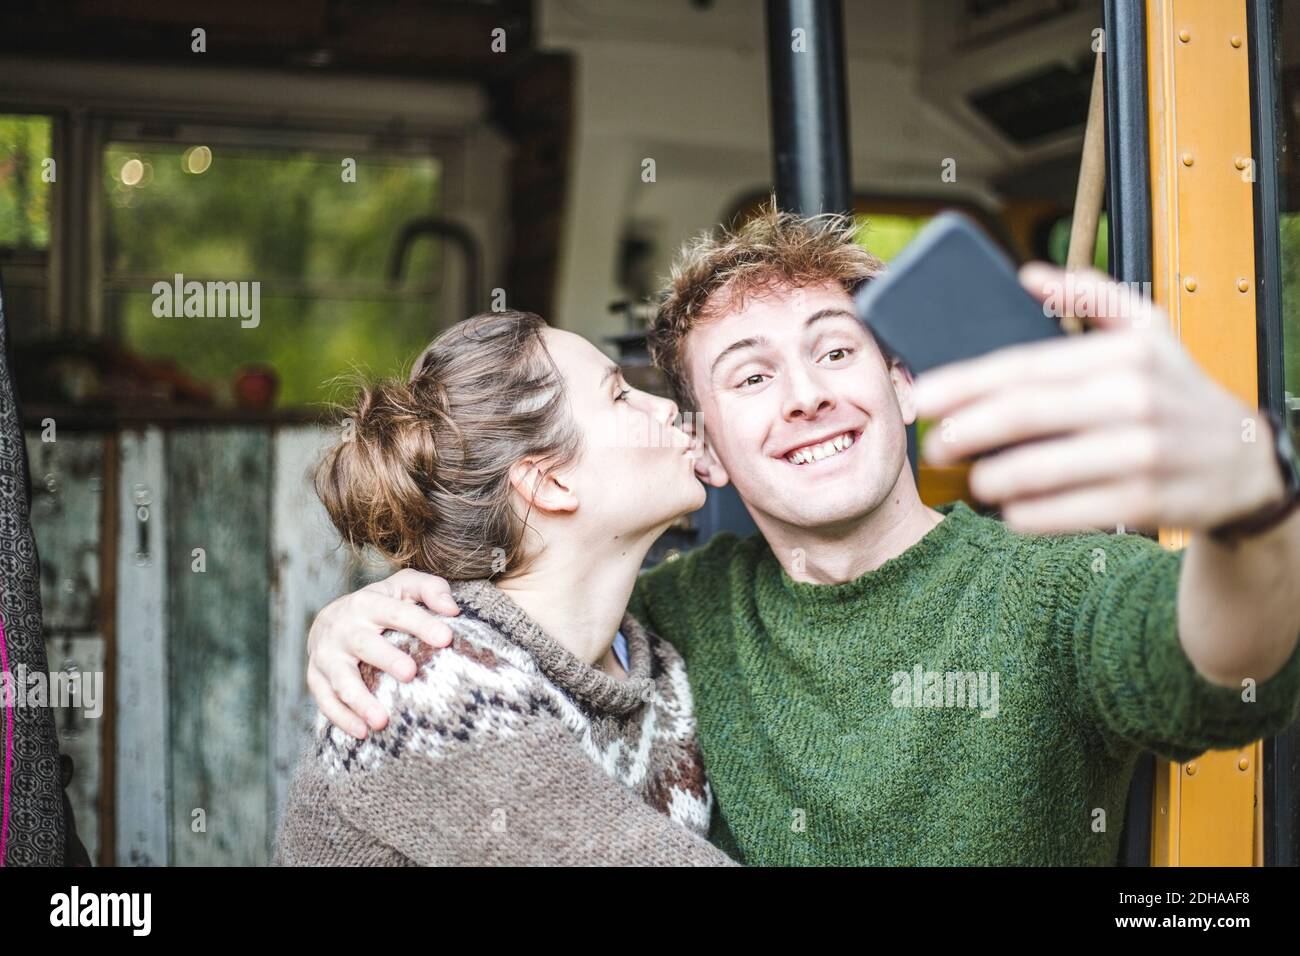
<point x="1092" y="183"/>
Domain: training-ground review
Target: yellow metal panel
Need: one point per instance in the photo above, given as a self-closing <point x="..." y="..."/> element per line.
<point x="1205" y="812"/>
<point x="1165" y="807"/>
<point x="1217" y="797"/>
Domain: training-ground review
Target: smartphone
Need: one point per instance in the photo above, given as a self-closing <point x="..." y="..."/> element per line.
<point x="950" y="295"/>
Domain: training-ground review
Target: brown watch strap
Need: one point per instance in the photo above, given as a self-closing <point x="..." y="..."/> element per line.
<point x="1258" y="523"/>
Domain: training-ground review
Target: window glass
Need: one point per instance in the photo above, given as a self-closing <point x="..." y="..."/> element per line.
<point x="885" y="235"/>
<point x="289" y="234"/>
<point x="1058" y="242"/>
<point x="1288" y="772"/>
<point x="26" y="173"/>
<point x="1289" y="191"/>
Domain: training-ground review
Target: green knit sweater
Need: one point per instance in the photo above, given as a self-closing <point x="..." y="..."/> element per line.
<point x="980" y="699"/>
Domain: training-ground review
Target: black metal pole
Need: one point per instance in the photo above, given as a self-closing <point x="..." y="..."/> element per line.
<point x="1264" y="27"/>
<point x="1128" y="155"/>
<point x="810" y="129"/>
<point x="810" y="119"/>
<point x="1128" y="202"/>
<point x="810" y="151"/>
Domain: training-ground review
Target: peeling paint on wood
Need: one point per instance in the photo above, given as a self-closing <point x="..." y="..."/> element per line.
<point x="210" y="705"/>
<point x="67" y="480"/>
<point x="311" y="568"/>
<point x="218" y="489"/>
<point x="67" y="484"/>
<point x="141" y="676"/>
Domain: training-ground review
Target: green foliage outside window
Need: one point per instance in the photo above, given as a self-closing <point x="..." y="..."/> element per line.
<point x="1290" y="228"/>
<point x="25" y="173"/>
<point x="317" y="244"/>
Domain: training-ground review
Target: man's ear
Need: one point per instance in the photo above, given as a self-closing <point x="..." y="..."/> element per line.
<point x="902" y="382"/>
<point x="708" y="468"/>
<point x="542" y="488"/>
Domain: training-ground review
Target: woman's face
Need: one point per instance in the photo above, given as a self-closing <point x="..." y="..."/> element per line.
<point x="636" y="469"/>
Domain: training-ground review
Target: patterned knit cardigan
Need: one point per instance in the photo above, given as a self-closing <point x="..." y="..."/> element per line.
<point x="32" y="803"/>
<point x="507" y="749"/>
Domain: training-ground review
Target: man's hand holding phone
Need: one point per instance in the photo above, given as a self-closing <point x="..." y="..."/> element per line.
<point x="1117" y="427"/>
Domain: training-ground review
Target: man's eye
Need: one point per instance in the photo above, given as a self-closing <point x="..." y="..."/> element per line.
<point x="622" y="395"/>
<point x="751" y="380"/>
<point x="836" y="355"/>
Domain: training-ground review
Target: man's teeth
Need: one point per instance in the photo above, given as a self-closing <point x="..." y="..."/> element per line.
<point x="809" y="453"/>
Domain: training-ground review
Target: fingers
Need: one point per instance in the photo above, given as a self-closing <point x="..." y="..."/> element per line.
<point x="387" y="613"/>
<point x="350" y="630"/>
<point x="1039" y="278"/>
<point x="379" y="652"/>
<point x="1187" y="499"/>
<point x="1115" y="307"/>
<point x="1092" y="295"/>
<point x="1131" y="502"/>
<point x="346" y="682"/>
<point x="333" y="708"/>
<point x="941" y="391"/>
<point x="1053" y="466"/>
<point x="1019" y="414"/>
<point x="429" y="589"/>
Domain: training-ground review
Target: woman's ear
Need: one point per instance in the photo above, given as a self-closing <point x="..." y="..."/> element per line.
<point x="541" y="488"/>
<point x="902" y="382"/>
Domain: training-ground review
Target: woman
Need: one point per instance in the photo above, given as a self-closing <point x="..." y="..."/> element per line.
<point x="553" y="729"/>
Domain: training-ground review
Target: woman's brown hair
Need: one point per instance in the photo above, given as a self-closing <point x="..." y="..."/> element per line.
<point x="422" y="469"/>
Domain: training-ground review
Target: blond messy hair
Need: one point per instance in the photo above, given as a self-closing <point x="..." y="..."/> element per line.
<point x="718" y="272"/>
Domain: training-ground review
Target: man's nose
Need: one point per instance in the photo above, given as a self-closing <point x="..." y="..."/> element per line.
<point x="806" y="395"/>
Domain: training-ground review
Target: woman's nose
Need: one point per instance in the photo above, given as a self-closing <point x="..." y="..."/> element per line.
<point x="669" y="411"/>
<point x="662" y="410"/>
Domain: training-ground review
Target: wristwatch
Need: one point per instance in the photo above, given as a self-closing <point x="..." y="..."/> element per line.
<point x="1270" y="517"/>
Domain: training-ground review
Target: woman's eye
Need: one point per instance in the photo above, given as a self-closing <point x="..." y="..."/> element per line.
<point x="622" y="395"/>
<point x="836" y="355"/>
<point x="750" y="380"/>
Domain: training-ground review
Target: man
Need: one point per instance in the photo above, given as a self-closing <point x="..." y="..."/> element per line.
<point x="878" y="682"/>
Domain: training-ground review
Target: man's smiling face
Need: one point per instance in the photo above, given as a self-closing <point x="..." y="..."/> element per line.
<point x="802" y="412"/>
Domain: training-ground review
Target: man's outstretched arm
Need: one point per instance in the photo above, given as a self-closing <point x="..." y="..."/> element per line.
<point x="1120" y="427"/>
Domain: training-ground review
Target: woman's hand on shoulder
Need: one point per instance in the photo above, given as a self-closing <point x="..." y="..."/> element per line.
<point x="350" y="630"/>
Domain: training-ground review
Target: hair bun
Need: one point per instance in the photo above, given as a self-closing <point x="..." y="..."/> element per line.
<point x="373" y="480"/>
